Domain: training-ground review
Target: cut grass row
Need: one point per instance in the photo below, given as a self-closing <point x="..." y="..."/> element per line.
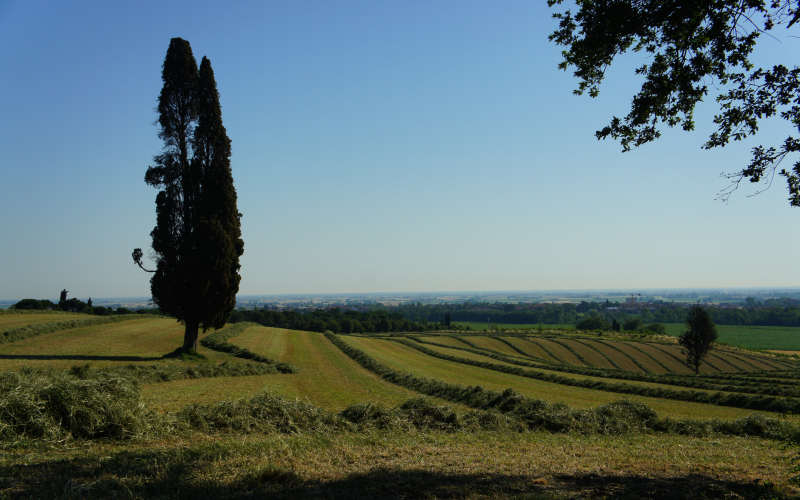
<point x="15" y="319"/>
<point x="749" y="386"/>
<point x="40" y="328"/>
<point x="325" y="376"/>
<point x="748" y="336"/>
<point x="633" y="356"/>
<point x="399" y="359"/>
<point x="136" y="340"/>
<point x="751" y="402"/>
<point x="218" y="341"/>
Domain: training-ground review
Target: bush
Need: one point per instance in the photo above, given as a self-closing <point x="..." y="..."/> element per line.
<point x="592" y="323"/>
<point x="655" y="328"/>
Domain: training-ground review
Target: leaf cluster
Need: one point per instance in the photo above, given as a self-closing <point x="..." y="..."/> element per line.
<point x="688" y="46"/>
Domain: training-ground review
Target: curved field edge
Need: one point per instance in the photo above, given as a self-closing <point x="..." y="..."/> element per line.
<point x="325" y="376"/>
<point x="749" y="402"/>
<point x="554" y="376"/>
<point x="218" y="341"/>
<point x="536" y="413"/>
<point x="718" y="383"/>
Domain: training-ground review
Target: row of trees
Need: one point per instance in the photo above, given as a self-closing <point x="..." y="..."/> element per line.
<point x="335" y="320"/>
<point x="75" y="305"/>
<point x="634" y="324"/>
<point x="778" y="312"/>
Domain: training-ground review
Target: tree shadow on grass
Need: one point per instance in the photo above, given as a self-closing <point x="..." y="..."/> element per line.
<point x="77" y="357"/>
<point x="189" y="473"/>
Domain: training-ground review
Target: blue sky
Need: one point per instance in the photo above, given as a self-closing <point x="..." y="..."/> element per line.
<point x="377" y="146"/>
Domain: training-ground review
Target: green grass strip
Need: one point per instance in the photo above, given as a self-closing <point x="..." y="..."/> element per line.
<point x="218" y="341"/>
<point x="24" y="332"/>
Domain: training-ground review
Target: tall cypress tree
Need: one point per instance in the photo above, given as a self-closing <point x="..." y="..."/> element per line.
<point x="197" y="239"/>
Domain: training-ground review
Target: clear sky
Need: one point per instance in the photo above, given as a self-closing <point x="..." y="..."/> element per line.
<point x="377" y="146"/>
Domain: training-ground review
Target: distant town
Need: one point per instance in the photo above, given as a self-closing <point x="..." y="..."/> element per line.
<point x="717" y="296"/>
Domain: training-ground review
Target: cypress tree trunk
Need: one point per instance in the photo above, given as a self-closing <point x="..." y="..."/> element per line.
<point x="190" y="336"/>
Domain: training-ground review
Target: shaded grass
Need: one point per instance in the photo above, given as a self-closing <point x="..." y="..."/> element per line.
<point x="390" y="465"/>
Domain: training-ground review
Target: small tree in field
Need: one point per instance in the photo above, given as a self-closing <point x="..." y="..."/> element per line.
<point x="698" y="338"/>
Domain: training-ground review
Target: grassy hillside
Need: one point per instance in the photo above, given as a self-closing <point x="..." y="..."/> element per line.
<point x="188" y="433"/>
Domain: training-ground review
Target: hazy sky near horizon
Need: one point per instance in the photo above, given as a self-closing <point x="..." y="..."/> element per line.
<point x="377" y="146"/>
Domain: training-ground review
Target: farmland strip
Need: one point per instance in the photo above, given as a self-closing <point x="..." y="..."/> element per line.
<point x="634" y="360"/>
<point x="527" y="409"/>
<point x="633" y="345"/>
<point x="590" y="346"/>
<point x="218" y="342"/>
<point x="787" y="405"/>
<point x="673" y="380"/>
<point x="547" y="351"/>
<point x="24" y="332"/>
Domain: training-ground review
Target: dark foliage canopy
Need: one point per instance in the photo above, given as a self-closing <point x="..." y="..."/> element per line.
<point x="699" y="336"/>
<point x="335" y="320"/>
<point x="197" y="238"/>
<point x="691" y="46"/>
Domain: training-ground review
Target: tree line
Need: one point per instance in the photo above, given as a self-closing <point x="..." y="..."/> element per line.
<point x="76" y="305"/>
<point x="772" y="312"/>
<point x="335" y="320"/>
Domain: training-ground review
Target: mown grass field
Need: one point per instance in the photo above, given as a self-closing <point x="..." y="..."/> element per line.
<point x="785" y="338"/>
<point x="484" y="325"/>
<point x="325" y="376"/>
<point x="172" y="461"/>
<point x="9" y="319"/>
<point x="405" y="359"/>
<point x="135" y="340"/>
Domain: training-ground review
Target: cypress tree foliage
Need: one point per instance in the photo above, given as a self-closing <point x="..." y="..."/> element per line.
<point x="197" y="238"/>
<point x="698" y="338"/>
